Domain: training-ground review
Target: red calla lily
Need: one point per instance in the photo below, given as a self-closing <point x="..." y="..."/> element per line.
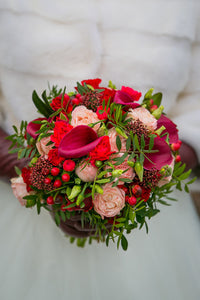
<point x="157" y="160"/>
<point x="171" y="129"/>
<point x="78" y="142"/>
<point x="32" y="127"/>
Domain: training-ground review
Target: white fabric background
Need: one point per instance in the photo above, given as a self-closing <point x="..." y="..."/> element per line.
<point x="138" y="43"/>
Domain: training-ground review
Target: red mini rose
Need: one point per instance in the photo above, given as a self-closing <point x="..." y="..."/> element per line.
<point x="108" y="94"/>
<point x="102" y="151"/>
<point x="102" y="113"/>
<point x="57" y="103"/>
<point x="60" y="129"/>
<point x="93" y="82"/>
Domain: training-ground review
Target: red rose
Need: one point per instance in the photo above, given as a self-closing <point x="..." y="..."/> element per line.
<point x="54" y="157"/>
<point x="93" y="82"/>
<point x="26" y="177"/>
<point x="57" y="103"/>
<point x="145" y="194"/>
<point x="108" y="94"/>
<point x="102" y="151"/>
<point x="60" y="129"/>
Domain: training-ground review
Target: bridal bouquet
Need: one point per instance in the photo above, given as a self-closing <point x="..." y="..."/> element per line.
<point x="100" y="155"/>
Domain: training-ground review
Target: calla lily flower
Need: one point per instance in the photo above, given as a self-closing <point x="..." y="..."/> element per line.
<point x="32" y="127"/>
<point x="78" y="142"/>
<point x="163" y="156"/>
<point x="171" y="129"/>
<point x="124" y="98"/>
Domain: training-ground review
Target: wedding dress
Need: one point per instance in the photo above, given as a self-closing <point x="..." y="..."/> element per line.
<point x="142" y="44"/>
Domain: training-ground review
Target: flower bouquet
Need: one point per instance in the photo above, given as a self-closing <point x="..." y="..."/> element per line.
<point x="100" y="162"/>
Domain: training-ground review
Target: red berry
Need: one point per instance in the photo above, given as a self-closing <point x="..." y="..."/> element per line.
<point x="55" y="171"/>
<point x="137" y="190"/>
<point x="50" y="200"/>
<point x="175" y="146"/>
<point x="178" y="158"/>
<point x="57" y="183"/>
<point x="124" y="188"/>
<point x="69" y="165"/>
<point x="47" y="180"/>
<point x="65" y="177"/>
<point x="132" y="200"/>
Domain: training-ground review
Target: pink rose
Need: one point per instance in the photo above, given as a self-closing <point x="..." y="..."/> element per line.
<point x="19" y="189"/>
<point x="167" y="179"/>
<point x="144" y="116"/>
<point x="83" y="116"/>
<point x="112" y="135"/>
<point x="129" y="174"/>
<point x="42" y="147"/>
<point x="111" y="202"/>
<point x="86" y="172"/>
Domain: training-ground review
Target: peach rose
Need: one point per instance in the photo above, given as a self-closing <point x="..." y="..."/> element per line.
<point x="42" y="147"/>
<point x="19" y="189"/>
<point x="83" y="116"/>
<point x="110" y="203"/>
<point x="167" y="179"/>
<point x="144" y="116"/>
<point x="112" y="135"/>
<point x="129" y="174"/>
<point x="86" y="172"/>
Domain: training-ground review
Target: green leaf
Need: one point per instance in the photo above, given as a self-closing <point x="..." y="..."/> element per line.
<point x="151" y="141"/>
<point x="18" y="171"/>
<point x="185" y="175"/>
<point x="157" y="98"/>
<point x="136" y="142"/>
<point x="186" y="189"/>
<point x="44" y="97"/>
<point x="164" y="202"/>
<point x="57" y="218"/>
<point x="124" y="243"/>
<point x="63" y="216"/>
<point x="191" y="181"/>
<point x="22" y="154"/>
<point x="128" y="143"/>
<point x="40" y="105"/>
<point x="118" y="143"/>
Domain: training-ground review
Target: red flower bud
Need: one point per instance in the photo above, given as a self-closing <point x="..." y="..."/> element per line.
<point x="153" y="107"/>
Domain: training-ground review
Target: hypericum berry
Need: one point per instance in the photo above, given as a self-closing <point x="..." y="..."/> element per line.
<point x="55" y="171"/>
<point x="69" y="165"/>
<point x="175" y="146"/>
<point x="57" y="183"/>
<point x="50" y="200"/>
<point x="124" y="188"/>
<point x="137" y="190"/>
<point x="47" y="180"/>
<point x="132" y="200"/>
<point x="178" y="158"/>
<point x="65" y="177"/>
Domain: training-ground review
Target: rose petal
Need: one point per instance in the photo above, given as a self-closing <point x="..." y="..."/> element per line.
<point x="158" y="159"/>
<point x="32" y="128"/>
<point x="171" y="128"/>
<point x="124" y="99"/>
<point x="78" y="142"/>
